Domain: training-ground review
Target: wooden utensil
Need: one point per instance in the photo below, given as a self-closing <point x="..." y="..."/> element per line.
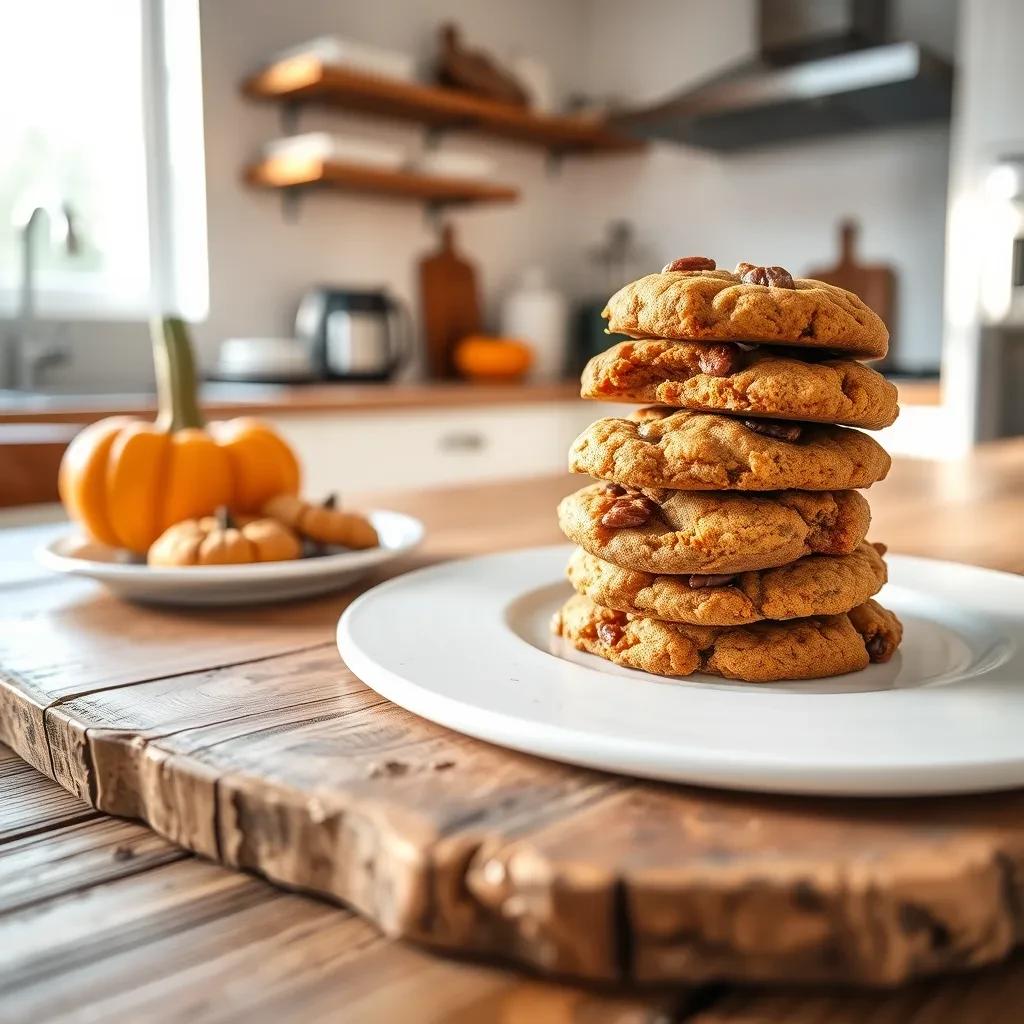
<point x="449" y="302"/>
<point x="476" y="71"/>
<point x="875" y="283"/>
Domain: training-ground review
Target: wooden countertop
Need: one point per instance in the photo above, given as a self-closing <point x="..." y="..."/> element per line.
<point x="100" y="917"/>
<point x="263" y="399"/>
<point x="221" y="401"/>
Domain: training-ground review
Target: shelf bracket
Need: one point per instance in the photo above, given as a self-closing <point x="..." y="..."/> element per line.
<point x="434" y="136"/>
<point x="291" y="111"/>
<point x="290" y="201"/>
<point x="433" y="214"/>
<point x="555" y="162"/>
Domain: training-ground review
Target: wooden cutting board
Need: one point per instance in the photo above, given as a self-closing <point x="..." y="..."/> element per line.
<point x="875" y="283"/>
<point x="449" y="302"/>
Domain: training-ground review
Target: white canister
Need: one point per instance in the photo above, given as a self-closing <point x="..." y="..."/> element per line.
<point x="535" y="312"/>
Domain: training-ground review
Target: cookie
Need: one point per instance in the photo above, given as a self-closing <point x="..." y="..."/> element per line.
<point x="756" y="382"/>
<point x="324" y="524"/>
<point x="815" y="585"/>
<point x="765" y="652"/>
<point x="715" y="305"/>
<point x="677" y="448"/>
<point x="662" y="531"/>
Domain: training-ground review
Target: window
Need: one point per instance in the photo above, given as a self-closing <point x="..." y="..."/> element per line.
<point x="101" y="109"/>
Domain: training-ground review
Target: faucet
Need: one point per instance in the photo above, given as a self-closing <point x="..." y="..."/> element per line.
<point x="28" y="352"/>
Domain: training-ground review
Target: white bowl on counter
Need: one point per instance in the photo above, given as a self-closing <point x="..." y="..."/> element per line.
<point x="256" y="583"/>
<point x="278" y="360"/>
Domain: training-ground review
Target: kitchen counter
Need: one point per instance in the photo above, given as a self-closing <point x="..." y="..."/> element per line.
<point x="352" y="436"/>
<point x="102" y="918"/>
<point x="222" y="400"/>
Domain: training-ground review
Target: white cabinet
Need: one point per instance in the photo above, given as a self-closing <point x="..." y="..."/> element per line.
<point x="435" y="447"/>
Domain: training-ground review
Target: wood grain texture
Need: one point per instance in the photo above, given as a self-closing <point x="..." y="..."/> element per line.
<point x="994" y="996"/>
<point x="306" y="172"/>
<point x="875" y="283"/>
<point x="449" y="303"/>
<point x="288" y="958"/>
<point x="103" y="920"/>
<point x="30" y="455"/>
<point x="307" y="79"/>
<point x="244" y="738"/>
<point x="32" y="804"/>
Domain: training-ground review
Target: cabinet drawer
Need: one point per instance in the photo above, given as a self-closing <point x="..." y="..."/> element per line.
<point x="433" y="448"/>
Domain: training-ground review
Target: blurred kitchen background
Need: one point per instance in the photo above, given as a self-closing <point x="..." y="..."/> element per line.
<point x="393" y="225"/>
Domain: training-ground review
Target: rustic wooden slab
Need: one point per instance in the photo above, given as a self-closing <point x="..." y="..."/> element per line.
<point x="290" y="958"/>
<point x="241" y="736"/>
<point x="103" y="920"/>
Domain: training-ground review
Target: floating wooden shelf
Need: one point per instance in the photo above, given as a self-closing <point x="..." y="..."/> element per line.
<point x="306" y="80"/>
<point x="291" y="173"/>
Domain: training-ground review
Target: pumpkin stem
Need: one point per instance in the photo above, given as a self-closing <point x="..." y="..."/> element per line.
<point x="225" y="521"/>
<point x="331" y="501"/>
<point x="175" y="375"/>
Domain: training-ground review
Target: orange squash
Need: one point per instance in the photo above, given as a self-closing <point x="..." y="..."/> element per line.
<point x="126" y="481"/>
<point x="220" y="540"/>
<point x="484" y="358"/>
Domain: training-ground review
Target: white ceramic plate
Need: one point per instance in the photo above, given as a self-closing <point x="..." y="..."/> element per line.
<point x="230" y="584"/>
<point x="467" y="644"/>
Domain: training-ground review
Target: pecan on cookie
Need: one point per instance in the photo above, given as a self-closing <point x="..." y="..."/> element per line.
<point x="716" y="305"/>
<point x="813" y="585"/>
<point x="764" y="652"/>
<point x="719" y="531"/>
<point x="679" y="449"/>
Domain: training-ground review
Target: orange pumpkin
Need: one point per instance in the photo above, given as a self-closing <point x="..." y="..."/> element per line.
<point x="483" y="358"/>
<point x="126" y="481"/>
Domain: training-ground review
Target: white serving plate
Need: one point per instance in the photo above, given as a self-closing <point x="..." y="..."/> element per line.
<point x="230" y="584"/>
<point x="467" y="644"/>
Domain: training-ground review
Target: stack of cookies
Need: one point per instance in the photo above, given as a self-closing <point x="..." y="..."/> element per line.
<point x="726" y="532"/>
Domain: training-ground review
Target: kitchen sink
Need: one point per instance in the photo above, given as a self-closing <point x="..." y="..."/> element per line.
<point x="12" y="400"/>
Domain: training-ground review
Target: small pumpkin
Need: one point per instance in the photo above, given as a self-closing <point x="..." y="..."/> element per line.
<point x="484" y="358"/>
<point x="219" y="540"/>
<point x="126" y="481"/>
<point x="324" y="523"/>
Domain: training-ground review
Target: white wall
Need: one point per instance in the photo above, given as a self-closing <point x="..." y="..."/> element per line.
<point x="778" y="206"/>
<point x="260" y="264"/>
<point x="989" y="125"/>
<point x="782" y="204"/>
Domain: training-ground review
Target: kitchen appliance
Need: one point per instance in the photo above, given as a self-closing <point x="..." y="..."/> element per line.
<point x="824" y="67"/>
<point x="617" y="260"/>
<point x="263" y="360"/>
<point x="354" y="335"/>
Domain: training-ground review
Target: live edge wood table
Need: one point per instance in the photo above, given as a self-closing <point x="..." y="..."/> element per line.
<point x="240" y="736"/>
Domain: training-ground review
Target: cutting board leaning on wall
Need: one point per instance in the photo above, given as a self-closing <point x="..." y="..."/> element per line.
<point x="450" y="304"/>
<point x="875" y="283"/>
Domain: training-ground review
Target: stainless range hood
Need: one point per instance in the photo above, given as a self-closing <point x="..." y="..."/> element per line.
<point x="859" y="84"/>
